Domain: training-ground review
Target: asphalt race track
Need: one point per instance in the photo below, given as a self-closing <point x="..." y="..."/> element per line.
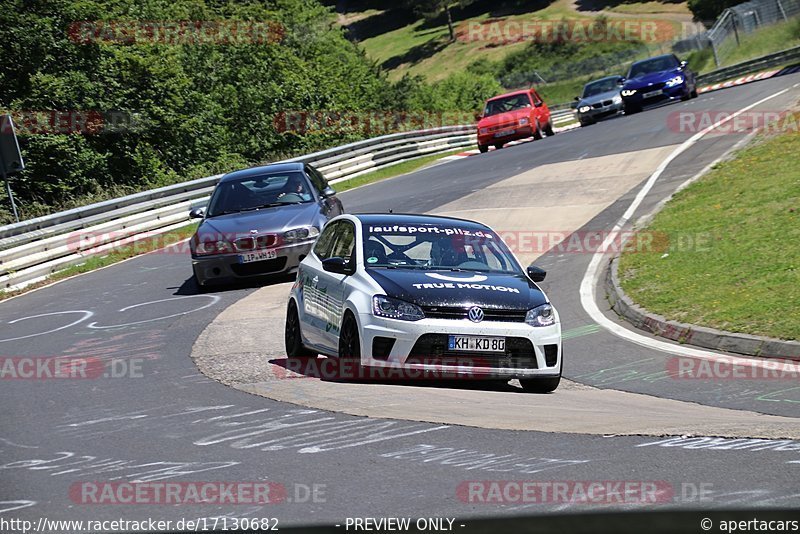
<point x="158" y="418"/>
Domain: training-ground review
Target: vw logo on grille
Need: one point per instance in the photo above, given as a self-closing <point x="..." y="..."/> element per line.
<point x="475" y="314"/>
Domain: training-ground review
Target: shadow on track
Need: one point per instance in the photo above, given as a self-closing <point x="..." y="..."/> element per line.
<point x="349" y="372"/>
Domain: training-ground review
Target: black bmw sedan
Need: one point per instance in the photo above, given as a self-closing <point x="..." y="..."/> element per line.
<point x="261" y="221"/>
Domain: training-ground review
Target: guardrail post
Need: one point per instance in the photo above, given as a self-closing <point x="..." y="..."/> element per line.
<point x="714" y="51"/>
<point x="10" y="193"/>
<point x="780" y="8"/>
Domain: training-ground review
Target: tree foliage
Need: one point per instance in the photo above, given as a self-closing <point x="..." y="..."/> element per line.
<point x="708" y="10"/>
<point x="187" y="110"/>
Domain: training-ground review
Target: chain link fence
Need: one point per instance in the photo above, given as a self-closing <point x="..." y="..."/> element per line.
<point x="722" y="39"/>
<point x="735" y="22"/>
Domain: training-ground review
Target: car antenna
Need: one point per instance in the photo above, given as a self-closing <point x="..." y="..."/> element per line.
<point x="391" y="211"/>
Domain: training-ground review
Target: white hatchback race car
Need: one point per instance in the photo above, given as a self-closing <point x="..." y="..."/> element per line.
<point x="427" y="294"/>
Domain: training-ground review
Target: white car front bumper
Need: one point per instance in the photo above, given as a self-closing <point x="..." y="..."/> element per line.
<point x="540" y="358"/>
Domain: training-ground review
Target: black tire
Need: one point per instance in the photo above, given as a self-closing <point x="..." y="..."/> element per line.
<point x="483" y="148"/>
<point x="201" y="287"/>
<point x="498" y="146"/>
<point x="585" y="122"/>
<point x="292" y="336"/>
<point x="349" y="342"/>
<point x="549" y="129"/>
<point x="694" y="92"/>
<point x="546" y="384"/>
<point x="687" y="96"/>
<point x="540" y="385"/>
<point x="537" y="132"/>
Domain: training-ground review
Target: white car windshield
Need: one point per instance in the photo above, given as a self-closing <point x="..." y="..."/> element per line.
<point x="434" y="247"/>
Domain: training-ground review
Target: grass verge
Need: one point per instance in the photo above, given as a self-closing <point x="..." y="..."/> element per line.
<point x="733" y="260"/>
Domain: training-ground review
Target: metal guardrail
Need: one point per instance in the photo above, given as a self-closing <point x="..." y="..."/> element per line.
<point x="32" y="250"/>
<point x="562" y="116"/>
<point x="778" y="59"/>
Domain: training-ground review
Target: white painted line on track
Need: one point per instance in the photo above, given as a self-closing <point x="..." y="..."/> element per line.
<point x="86" y="315"/>
<point x="214" y="300"/>
<point x="591" y="277"/>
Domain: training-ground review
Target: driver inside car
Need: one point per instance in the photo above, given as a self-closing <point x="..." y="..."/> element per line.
<point x="294" y="187"/>
<point x="448" y="251"/>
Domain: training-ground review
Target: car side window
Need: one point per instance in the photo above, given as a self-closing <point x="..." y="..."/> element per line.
<point x="535" y="97"/>
<point x="319" y="181"/>
<point x="325" y="243"/>
<point x="345" y="241"/>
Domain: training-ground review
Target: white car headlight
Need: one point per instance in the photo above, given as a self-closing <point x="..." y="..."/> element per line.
<point x="543" y="315"/>
<point x="524" y="122"/>
<point x="383" y="306"/>
<point x="672" y="82"/>
<point x="628" y="92"/>
<point x="584" y="109"/>
<point x="617" y="99"/>
<point x="300" y="234"/>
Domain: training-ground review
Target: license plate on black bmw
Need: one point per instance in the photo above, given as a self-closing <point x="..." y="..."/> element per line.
<point x="261" y="255"/>
<point x="477" y="344"/>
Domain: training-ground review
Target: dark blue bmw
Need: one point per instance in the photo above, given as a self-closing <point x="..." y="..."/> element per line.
<point x="657" y="79"/>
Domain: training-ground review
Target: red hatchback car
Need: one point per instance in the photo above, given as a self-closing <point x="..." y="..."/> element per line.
<point x="513" y="116"/>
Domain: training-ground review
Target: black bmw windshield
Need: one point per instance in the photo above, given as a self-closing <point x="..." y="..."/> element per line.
<point x="600" y="86"/>
<point x="260" y="192"/>
<point x="434" y="247"/>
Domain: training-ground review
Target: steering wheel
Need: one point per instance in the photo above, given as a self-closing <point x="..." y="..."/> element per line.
<point x="290" y="197"/>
